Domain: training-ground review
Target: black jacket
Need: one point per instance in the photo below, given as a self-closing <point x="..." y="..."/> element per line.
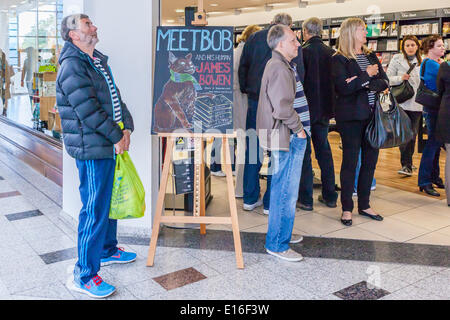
<point x="352" y="102"/>
<point x="443" y="120"/>
<point x="85" y="106"/>
<point x="318" y="83"/>
<point x="254" y="58"/>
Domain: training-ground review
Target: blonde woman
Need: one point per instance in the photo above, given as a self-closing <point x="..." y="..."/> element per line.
<point x="358" y="76"/>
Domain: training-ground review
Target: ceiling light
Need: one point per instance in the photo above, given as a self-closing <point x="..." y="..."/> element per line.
<point x="214" y="5"/>
<point x="268" y="8"/>
<point x="302" y="4"/>
<point x="179" y="10"/>
<point x="170" y="21"/>
<point x="237" y="12"/>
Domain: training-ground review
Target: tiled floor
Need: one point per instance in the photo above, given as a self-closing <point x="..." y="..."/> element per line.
<point x="408" y="217"/>
<point x="404" y="257"/>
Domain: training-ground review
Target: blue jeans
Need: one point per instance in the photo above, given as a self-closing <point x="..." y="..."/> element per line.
<point x="305" y="192"/>
<point x="253" y="160"/>
<point x="286" y="177"/>
<point x="216" y="155"/>
<point x="97" y="234"/>
<point x="358" y="166"/>
<point x="429" y="164"/>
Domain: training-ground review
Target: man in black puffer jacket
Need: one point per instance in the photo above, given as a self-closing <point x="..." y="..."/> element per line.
<point x="92" y="113"/>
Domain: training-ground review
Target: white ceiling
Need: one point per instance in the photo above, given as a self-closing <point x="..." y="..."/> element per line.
<point x="224" y="7"/>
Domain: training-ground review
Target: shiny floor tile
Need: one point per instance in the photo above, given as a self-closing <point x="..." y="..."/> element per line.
<point x="23" y="215"/>
<point x="58" y="256"/>
<point x="361" y="291"/>
<point x="179" y="279"/>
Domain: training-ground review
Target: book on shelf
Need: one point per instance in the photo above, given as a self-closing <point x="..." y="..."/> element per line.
<point x="385" y="27"/>
<point x="435" y="28"/>
<point x="386" y="58"/>
<point x="393" y="29"/>
<point x="325" y="33"/>
<point x="446" y="28"/>
<point x="420" y="29"/>
<point x="382" y="45"/>
<point x="391" y="45"/>
<point x="372" y="45"/>
<point x="335" y="33"/>
<point x="374" y="30"/>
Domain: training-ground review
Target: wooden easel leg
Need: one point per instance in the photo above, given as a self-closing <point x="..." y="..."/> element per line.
<point x="202" y="188"/>
<point x="232" y="202"/>
<point x="160" y="202"/>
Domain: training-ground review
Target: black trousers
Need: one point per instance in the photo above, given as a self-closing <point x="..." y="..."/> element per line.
<point x="353" y="140"/>
<point x="407" y="149"/>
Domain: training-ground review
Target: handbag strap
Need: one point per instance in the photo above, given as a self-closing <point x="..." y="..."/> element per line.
<point x="424" y="63"/>
<point x="411" y="68"/>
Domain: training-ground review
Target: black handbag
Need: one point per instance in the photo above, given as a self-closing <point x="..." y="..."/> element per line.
<point x="391" y="128"/>
<point x="404" y="91"/>
<point x="425" y="96"/>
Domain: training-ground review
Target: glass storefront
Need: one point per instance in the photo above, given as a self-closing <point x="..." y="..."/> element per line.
<point x="29" y="62"/>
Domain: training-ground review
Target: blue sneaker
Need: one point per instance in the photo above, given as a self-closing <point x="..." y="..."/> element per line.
<point x="95" y="288"/>
<point x="121" y="256"/>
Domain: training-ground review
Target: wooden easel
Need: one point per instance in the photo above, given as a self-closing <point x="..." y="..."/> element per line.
<point x="199" y="194"/>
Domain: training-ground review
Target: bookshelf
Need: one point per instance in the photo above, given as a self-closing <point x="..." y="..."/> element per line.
<point x="386" y="31"/>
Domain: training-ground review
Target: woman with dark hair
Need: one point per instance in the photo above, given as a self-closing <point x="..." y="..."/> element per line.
<point x="433" y="47"/>
<point x="443" y="119"/>
<point x="397" y="72"/>
<point x="358" y="76"/>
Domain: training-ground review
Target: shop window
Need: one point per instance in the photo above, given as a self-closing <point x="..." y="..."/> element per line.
<point x="34" y="44"/>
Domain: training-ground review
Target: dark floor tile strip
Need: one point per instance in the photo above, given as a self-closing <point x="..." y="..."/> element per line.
<point x="23" y="215"/>
<point x="361" y="291"/>
<point x="313" y="247"/>
<point x="9" y="194"/>
<point x="58" y="256"/>
<point x="179" y="278"/>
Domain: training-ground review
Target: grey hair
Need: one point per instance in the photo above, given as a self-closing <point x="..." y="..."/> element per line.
<point x="70" y="23"/>
<point x="283" y="18"/>
<point x="314" y="26"/>
<point x="275" y="35"/>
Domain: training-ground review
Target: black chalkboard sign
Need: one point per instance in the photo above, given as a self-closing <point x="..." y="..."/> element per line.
<point x="183" y="171"/>
<point x="193" y="81"/>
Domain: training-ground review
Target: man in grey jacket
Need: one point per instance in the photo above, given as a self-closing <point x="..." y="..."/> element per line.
<point x="283" y="124"/>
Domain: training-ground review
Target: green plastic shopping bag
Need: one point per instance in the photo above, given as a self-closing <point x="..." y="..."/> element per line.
<point x="128" y="195"/>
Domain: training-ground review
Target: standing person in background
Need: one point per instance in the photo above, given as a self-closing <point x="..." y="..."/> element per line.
<point x="28" y="70"/>
<point x="240" y="106"/>
<point x="240" y="110"/>
<point x="358" y="76"/>
<point x="443" y="119"/>
<point x="397" y="73"/>
<point x="429" y="171"/>
<point x="283" y="125"/>
<point x="319" y="92"/>
<point x="254" y="58"/>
